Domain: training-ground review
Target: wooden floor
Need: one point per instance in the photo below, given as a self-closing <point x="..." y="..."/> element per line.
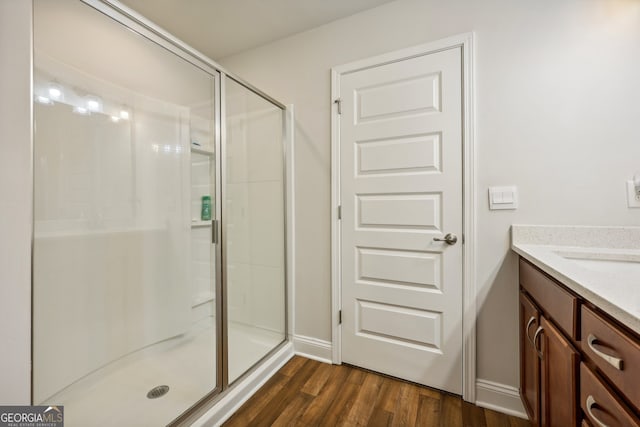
<point x="309" y="393"/>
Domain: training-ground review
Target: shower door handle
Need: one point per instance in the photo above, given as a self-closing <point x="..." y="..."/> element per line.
<point x="214" y="232"/>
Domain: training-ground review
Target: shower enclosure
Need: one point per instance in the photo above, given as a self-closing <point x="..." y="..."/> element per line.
<point x="144" y="304"/>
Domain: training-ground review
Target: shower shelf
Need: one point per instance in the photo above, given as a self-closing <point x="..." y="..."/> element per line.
<point x="202" y="298"/>
<point x="198" y="223"/>
<point x="200" y="150"/>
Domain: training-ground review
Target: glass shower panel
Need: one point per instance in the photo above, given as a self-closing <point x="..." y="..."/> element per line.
<point x="254" y="227"/>
<point x="123" y="287"/>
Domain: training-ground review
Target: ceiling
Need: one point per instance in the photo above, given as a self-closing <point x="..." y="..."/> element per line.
<point x="220" y="28"/>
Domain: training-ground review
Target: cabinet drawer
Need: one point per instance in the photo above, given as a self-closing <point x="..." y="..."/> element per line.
<point x="614" y="352"/>
<point x="561" y="306"/>
<point x="600" y="404"/>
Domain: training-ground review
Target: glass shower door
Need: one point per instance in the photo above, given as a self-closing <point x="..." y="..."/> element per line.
<point x="124" y="324"/>
<point x="253" y="190"/>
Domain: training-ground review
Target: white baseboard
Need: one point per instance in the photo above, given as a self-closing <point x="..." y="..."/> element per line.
<point x="312" y="348"/>
<point x="499" y="397"/>
<point x="241" y="392"/>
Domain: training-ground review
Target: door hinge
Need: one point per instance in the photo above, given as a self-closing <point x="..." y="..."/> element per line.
<point x="340" y="317"/>
<point x="214" y="232"/>
<point x="339" y="211"/>
<point x="463" y="238"/>
<point x="338" y="102"/>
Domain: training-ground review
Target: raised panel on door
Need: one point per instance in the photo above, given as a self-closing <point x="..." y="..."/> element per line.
<point x="558" y="378"/>
<point x="401" y="186"/>
<point x="529" y="360"/>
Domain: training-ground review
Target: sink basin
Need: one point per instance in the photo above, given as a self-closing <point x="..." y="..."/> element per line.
<point x="618" y="264"/>
<point x="607" y="266"/>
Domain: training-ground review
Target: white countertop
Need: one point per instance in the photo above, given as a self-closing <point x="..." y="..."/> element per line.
<point x="601" y="264"/>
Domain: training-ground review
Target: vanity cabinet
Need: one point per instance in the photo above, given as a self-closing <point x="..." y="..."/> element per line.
<point x="549" y="361"/>
<point x="612" y="351"/>
<point x="558" y="377"/>
<point x="600" y="404"/>
<point x="578" y="367"/>
<point x="529" y="362"/>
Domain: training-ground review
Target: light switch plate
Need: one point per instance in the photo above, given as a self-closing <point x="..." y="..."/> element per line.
<point x="503" y="198"/>
<point x="633" y="201"/>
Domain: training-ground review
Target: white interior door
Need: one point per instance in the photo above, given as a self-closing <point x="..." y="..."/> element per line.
<point x="401" y="187"/>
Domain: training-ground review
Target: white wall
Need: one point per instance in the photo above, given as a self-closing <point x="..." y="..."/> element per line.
<point x="557" y="86"/>
<point x="15" y="202"/>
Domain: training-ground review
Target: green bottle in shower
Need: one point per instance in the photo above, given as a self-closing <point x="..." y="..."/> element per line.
<point x="205" y="214"/>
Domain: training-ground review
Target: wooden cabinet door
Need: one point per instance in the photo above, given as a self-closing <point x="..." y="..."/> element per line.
<point x="558" y="378"/>
<point x="529" y="361"/>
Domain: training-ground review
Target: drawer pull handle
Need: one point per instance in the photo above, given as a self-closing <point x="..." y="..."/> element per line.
<point x="590" y="402"/>
<point x="613" y="361"/>
<point x="533" y="319"/>
<point x="535" y="340"/>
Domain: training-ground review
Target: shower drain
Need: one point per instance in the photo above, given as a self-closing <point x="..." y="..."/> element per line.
<point x="158" y="391"/>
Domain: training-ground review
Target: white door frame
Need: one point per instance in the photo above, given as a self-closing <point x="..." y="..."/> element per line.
<point x="465" y="41"/>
